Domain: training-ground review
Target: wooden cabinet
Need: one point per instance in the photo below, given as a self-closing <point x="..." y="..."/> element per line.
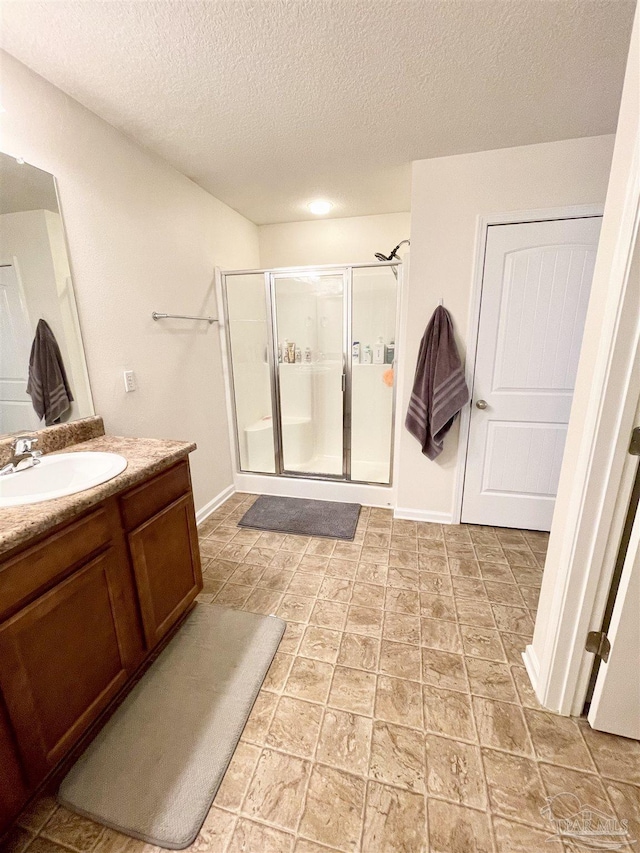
<point x="80" y="612"/>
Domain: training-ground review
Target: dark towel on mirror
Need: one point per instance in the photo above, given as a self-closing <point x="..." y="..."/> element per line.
<point x="48" y="385"/>
<point x="439" y="387"/>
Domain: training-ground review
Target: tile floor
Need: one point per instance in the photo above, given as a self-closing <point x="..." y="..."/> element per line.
<point x="397" y="716"/>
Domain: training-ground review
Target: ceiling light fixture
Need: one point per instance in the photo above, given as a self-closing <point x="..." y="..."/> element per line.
<point x="320" y="207"/>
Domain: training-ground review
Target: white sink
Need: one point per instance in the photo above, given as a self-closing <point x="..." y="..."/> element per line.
<point x="58" y="475"/>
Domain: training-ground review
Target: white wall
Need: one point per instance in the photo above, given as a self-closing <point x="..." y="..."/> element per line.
<point x="355" y="239"/>
<point x="141" y="237"/>
<point x="448" y="195"/>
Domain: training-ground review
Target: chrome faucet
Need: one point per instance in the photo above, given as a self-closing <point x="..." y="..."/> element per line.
<point x="23" y="455"/>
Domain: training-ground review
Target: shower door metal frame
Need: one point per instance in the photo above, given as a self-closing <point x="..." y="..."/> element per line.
<point x="272" y="358"/>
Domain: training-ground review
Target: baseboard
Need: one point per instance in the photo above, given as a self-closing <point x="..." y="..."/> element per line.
<point x="423" y="515"/>
<point x="204" y="512"/>
<point x="532" y="666"/>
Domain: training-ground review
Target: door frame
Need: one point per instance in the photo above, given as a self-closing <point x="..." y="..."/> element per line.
<point x="483" y="221"/>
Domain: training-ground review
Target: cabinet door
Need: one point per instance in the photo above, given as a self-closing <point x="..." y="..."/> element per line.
<point x="63" y="658"/>
<point x="166" y="563"/>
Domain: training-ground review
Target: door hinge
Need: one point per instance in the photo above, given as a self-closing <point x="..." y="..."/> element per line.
<point x="598" y="643"/>
<point x="634" y="444"/>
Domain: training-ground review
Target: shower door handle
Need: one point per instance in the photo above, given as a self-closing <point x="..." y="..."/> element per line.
<point x="344" y="382"/>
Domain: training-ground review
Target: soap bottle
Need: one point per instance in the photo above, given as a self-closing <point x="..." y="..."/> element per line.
<point x="291" y="352"/>
<point x="367" y="355"/>
<point x="285" y="351"/>
<point x="355" y="351"/>
<point x="298" y="353"/>
<point x="307" y="355"/>
<point x="378" y="352"/>
<point x="390" y="353"/>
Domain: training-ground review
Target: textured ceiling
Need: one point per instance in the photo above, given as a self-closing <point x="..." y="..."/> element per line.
<point x="269" y="104"/>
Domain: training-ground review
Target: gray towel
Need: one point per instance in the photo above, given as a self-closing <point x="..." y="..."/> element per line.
<point x="48" y="385"/>
<point x="439" y="388"/>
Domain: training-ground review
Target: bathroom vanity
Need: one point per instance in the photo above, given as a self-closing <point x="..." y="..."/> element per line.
<point x="91" y="585"/>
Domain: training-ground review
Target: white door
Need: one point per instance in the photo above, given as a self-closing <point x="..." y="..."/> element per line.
<point x="615" y="705"/>
<point x="16" y="411"/>
<point x="535" y="291"/>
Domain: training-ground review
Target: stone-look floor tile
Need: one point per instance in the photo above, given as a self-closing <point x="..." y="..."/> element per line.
<point x="37" y="813"/>
<point x="294" y="727"/>
<point x="268" y="539"/>
<point x="521" y="556"/>
<point x="71" y="830"/>
<point x="211" y="547"/>
<point x="516" y="620"/>
<point x="114" y="842"/>
<point x="367" y="595"/>
<point x="401" y="628"/>
<point x="429" y="530"/>
<point x="313" y="564"/>
<point x="334" y="809"/>
<point x="437" y="606"/>
<point x="345" y="741"/>
<point x="353" y="690"/>
<point x="329" y="614"/>
<point x="448" y="712"/>
<point x="404" y="527"/>
<point x="438" y="634"/>
<point x="444" y="669"/>
<point x="573" y="783"/>
<point x="403" y="578"/>
<point x="297" y="544"/>
<point x="276" y="792"/>
<point x="247" y="575"/>
<point x="373" y="539"/>
<point x="402" y="601"/>
<point x="364" y="620"/>
<point x="336" y="589"/>
<point x="530" y="595"/>
<point x="432" y="548"/>
<point x="17" y="840"/>
<point x="490" y="553"/>
<point x="404" y="543"/>
<point x="372" y="573"/>
<point x="309" y="679"/>
<point x="286" y="561"/>
<point x="526" y="695"/>
<point x="400" y="660"/>
<point x="303" y="583"/>
<point x="504" y="593"/>
<point x="468" y="588"/>
<point x="558" y="740"/>
<point x="232" y="595"/>
<point x="246" y="537"/>
<point x="257" y="725"/>
<point x="496" y="572"/>
<point x="347" y="551"/>
<point x="234" y="552"/>
<point x="516" y="838"/>
<point x="527" y="575"/>
<point x="615" y="757"/>
<point x="237" y="776"/>
<point x="509" y="536"/>
<point x="359" y="651"/>
<point x="320" y="643"/>
<point x="275" y="578"/>
<point x="220" y="569"/>
<point x="249" y="836"/>
<point x="626" y="803"/>
<point x="435" y="564"/>
<point x="44" y="845"/>
<point x="295" y="608"/>
<point x="398" y="701"/>
<point x="490" y="679"/>
<point x="397" y="756"/>
<point x="501" y="725"/>
<point x="278" y="672"/>
<point x="465" y="567"/>
<point x="394" y="821"/>
<point x="482" y="643"/>
<point x="457" y="533"/>
<point x="435" y="584"/>
<point x="456" y="829"/>
<point x="291" y="638"/>
<point x="454" y="771"/>
<point x="515" y="787"/>
<point x="303" y="845"/>
<point x="473" y="611"/>
<point x="375" y="555"/>
<point x="260" y="557"/>
<point x="264" y="601"/>
<point x="514" y="646"/>
<point x="460" y="550"/>
<point x="321" y="547"/>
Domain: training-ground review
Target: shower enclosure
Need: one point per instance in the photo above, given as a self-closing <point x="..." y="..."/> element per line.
<point x="310" y="352"/>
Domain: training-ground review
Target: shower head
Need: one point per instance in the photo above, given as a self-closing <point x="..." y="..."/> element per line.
<point x="393" y="256"/>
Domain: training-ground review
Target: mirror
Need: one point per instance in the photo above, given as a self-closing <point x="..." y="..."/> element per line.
<point x="47" y="357"/>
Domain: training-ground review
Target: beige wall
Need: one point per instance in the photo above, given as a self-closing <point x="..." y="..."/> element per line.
<point x="448" y="195"/>
<point x="332" y="241"/>
<point x="142" y="237"/>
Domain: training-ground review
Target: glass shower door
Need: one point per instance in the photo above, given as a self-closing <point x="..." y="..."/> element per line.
<point x="310" y="339"/>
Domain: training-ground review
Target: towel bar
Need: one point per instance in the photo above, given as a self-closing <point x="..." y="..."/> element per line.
<point x="158" y="316"/>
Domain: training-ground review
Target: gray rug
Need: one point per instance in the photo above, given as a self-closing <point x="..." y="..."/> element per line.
<point x="298" y="515"/>
<point x="154" y="769"/>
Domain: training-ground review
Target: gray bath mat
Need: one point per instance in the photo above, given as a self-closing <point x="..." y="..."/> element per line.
<point x="154" y="769"/>
<point x="297" y="515"/>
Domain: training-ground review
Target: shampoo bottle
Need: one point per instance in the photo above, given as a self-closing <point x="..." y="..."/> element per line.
<point x="378" y="352"/>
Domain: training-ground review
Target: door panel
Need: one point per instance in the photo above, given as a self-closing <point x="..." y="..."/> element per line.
<point x="310" y="318"/>
<point x="535" y="293"/>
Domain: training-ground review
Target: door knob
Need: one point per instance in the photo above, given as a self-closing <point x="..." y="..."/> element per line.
<point x="481" y="404"/>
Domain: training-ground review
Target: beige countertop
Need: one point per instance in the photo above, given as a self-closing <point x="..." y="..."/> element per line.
<point x="145" y="456"/>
